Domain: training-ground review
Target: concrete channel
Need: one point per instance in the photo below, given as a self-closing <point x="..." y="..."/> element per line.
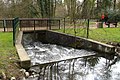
<point x="57" y="38"/>
<point x="23" y="56"/>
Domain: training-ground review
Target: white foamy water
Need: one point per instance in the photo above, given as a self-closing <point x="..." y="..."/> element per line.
<point x="78" y="68"/>
<point x="46" y="53"/>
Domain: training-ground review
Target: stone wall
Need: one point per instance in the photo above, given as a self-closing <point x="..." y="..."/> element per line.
<point x="78" y="42"/>
<point x="72" y="41"/>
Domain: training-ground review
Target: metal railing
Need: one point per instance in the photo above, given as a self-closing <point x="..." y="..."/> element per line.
<point x="6" y="24"/>
<point x="39" y="23"/>
<point x="79" y="26"/>
<point x="30" y="24"/>
<point x="48" y="23"/>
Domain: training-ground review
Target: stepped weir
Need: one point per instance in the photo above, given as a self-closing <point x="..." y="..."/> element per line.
<point x="57" y="56"/>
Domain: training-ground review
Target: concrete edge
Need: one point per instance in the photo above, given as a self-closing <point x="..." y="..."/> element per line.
<point x="90" y="44"/>
<point x="101" y="43"/>
<point x="86" y="39"/>
<point x="102" y="47"/>
<point x="24" y="58"/>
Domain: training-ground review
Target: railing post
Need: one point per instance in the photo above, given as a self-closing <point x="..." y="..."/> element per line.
<point x="15" y="22"/>
<point x="20" y="26"/>
<point x="64" y="26"/>
<point x="13" y="31"/>
<point x="47" y="25"/>
<point x="4" y="25"/>
<point x="50" y="23"/>
<point x="74" y="27"/>
<point x="108" y="24"/>
<point x="59" y="24"/>
<point x="34" y="25"/>
<point x="34" y="31"/>
<point x="88" y="29"/>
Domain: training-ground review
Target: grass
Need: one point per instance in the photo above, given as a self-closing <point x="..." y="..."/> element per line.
<point x="8" y="55"/>
<point x="100" y="34"/>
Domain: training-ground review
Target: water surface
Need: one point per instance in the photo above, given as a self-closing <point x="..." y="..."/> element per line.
<point x="70" y="63"/>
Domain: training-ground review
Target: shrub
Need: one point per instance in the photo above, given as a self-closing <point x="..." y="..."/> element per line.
<point x="113" y="16"/>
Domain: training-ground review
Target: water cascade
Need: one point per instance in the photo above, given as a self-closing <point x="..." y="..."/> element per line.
<point x="53" y="62"/>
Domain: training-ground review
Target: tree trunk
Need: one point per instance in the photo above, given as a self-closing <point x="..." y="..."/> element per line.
<point x="114" y="8"/>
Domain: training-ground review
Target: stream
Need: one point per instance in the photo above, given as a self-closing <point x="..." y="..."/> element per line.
<point x="54" y="62"/>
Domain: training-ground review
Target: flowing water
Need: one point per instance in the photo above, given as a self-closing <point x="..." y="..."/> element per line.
<point x="53" y="62"/>
<point x="48" y="53"/>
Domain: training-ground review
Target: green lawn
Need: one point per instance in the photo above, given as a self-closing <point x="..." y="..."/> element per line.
<point x="99" y="34"/>
<point x="8" y="54"/>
